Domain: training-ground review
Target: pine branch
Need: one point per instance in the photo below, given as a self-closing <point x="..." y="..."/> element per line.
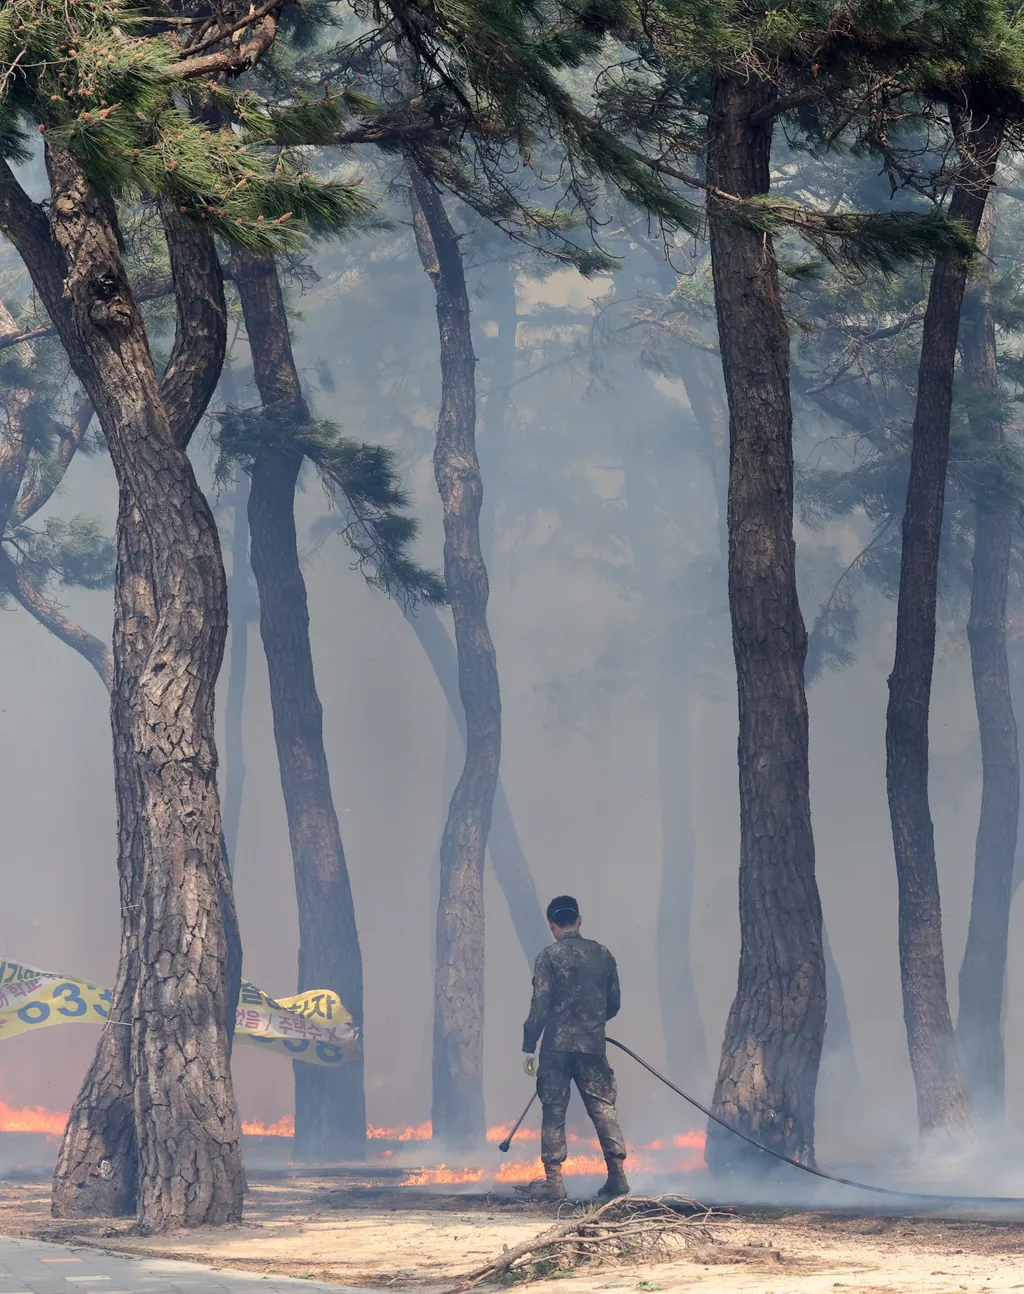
<point x="153" y="292"/>
<point x="254" y="15"/>
<point x="365" y="476"/>
<point x="46" y="613"/>
<point x="200" y="333"/>
<point x="70" y="441"/>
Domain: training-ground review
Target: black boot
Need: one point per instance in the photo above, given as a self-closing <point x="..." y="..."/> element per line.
<point x="616" y="1185"/>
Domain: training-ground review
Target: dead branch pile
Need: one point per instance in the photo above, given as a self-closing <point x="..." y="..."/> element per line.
<point x="634" y="1229"/>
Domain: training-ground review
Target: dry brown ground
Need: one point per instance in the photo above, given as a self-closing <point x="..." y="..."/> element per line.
<point x="393" y="1237"/>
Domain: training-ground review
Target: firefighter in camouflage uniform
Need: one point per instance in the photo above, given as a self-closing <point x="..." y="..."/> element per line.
<point x="575" y="990"/>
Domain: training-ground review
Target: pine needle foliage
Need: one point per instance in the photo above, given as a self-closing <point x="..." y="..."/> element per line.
<point x="378" y="529"/>
<point x="73" y="553"/>
<point x="101" y="80"/>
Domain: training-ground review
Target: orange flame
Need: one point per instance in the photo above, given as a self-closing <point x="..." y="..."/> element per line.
<point x="284" y="1127"/>
<point x="443" y="1174"/>
<point x="524" y="1134"/>
<point x="654" y="1157"/>
<point x="646" y="1160"/>
<point x="423" y="1132"/>
<point x="32" y="1119"/>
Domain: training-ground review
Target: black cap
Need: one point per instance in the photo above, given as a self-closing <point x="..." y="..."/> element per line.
<point x="563" y="911"/>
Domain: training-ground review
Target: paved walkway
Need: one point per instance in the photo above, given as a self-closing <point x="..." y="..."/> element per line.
<point x="31" y="1267"/>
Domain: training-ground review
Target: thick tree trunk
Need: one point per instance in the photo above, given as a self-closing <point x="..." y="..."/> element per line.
<point x="330" y="1106"/>
<point x="772" y="1048"/>
<point x="170" y="624"/>
<point x="96" y="1174"/>
<point x="979" y="1031"/>
<point x="941" y="1102"/>
<point x="458" y="1100"/>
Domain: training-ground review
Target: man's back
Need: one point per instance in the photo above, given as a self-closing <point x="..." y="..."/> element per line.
<point x="575" y="990"/>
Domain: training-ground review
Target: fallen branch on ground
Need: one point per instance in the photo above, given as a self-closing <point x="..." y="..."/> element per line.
<point x="631" y="1229"/>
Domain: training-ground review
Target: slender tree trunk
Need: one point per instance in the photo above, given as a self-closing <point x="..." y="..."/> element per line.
<point x="238" y="656"/>
<point x="501" y="290"/>
<point x="170" y="624"/>
<point x="238" y="659"/>
<point x="772" y="1048"/>
<point x="941" y="1102"/>
<point x="511" y="869"/>
<point x="458" y="1100"/>
<point x="330" y="1106"/>
<point x="979" y="1032"/>
<point x="838" y="1057"/>
<point x="704" y="394"/>
<point x="685" y="1045"/>
<point x="503" y="844"/>
<point x="504" y="847"/>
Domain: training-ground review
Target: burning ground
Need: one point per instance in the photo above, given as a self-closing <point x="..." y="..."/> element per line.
<point x="411" y="1147"/>
<point x="395" y="1224"/>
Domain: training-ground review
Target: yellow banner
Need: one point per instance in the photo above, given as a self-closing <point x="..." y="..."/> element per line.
<point x="312" y="1026"/>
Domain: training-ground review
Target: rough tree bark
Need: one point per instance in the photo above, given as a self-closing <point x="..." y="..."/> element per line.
<point x="941" y="1103"/>
<point x="772" y="1048"/>
<point x="458" y="1100"/>
<point x="177" y="954"/>
<point x="979" y="1030"/>
<point x="330" y="1105"/>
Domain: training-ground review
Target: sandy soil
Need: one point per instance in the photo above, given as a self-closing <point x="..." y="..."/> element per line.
<point x="356" y="1233"/>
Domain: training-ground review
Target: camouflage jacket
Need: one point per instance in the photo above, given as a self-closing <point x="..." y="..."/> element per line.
<point x="575" y="990"/>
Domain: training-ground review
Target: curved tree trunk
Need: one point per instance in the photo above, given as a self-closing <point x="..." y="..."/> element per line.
<point x="458" y="1099"/>
<point x="170" y="624"/>
<point x="979" y="1031"/>
<point x="330" y="1106"/>
<point x="941" y="1102"/>
<point x="772" y="1048"/>
<point x="511" y="869"/>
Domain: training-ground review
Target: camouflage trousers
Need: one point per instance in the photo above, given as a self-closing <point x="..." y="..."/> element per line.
<point x="596" y="1084"/>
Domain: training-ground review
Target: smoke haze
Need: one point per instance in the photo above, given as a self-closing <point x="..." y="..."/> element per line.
<point x="584" y="795"/>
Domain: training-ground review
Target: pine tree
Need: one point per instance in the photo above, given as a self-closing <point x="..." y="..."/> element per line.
<point x="104" y="83"/>
<point x="272" y="444"/>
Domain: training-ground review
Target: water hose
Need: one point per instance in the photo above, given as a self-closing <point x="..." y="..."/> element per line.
<point x="807" y="1168"/>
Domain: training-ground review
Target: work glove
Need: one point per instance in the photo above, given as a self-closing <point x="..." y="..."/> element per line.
<point x="530" y="1064"/>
